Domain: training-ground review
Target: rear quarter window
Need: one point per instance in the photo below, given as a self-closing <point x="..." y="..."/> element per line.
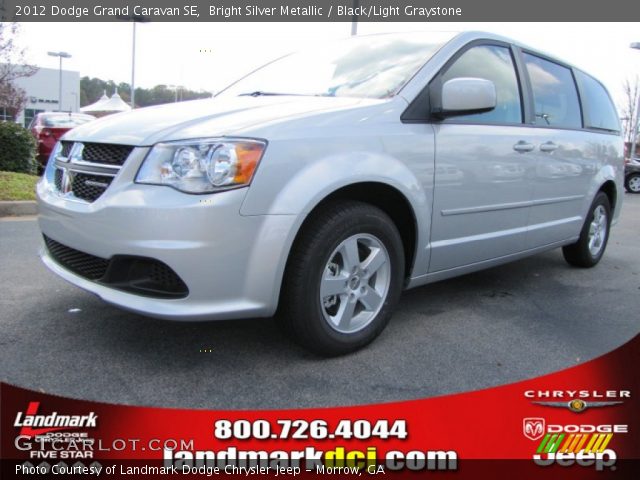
<point x="600" y="113"/>
<point x="554" y="93"/>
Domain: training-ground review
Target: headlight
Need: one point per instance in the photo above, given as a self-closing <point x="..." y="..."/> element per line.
<point x="202" y="166"/>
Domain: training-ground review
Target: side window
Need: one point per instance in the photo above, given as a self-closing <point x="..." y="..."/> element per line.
<point x="599" y="110"/>
<point x="490" y="62"/>
<point x="30" y="115"/>
<point x="5" y="116"/>
<point x="32" y="123"/>
<point x="554" y="93"/>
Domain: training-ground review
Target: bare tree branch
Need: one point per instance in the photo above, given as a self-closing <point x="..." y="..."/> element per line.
<point x="628" y="109"/>
<point x="13" y="65"/>
<point x="12" y="99"/>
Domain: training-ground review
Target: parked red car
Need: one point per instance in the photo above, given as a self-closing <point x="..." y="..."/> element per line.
<point x="48" y="127"/>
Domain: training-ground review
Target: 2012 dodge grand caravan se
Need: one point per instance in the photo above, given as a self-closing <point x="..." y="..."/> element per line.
<point x="323" y="184"/>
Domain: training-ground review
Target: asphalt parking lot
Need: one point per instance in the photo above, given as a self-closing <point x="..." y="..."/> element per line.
<point x="489" y="328"/>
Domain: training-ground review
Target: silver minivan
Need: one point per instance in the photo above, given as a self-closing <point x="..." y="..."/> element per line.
<point x="320" y="186"/>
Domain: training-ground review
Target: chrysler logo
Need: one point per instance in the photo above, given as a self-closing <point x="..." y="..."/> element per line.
<point x="577" y="405"/>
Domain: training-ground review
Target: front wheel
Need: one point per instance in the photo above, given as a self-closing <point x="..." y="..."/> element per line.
<point x="590" y="247"/>
<point x="343" y="278"/>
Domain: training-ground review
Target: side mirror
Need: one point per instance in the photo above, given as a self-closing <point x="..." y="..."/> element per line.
<point x="464" y="96"/>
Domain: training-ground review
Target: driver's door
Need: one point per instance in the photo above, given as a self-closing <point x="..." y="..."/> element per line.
<point x="482" y="212"/>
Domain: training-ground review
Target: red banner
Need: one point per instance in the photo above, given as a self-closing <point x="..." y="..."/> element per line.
<point x="581" y="422"/>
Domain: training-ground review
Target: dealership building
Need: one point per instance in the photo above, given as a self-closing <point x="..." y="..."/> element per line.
<point x="42" y="91"/>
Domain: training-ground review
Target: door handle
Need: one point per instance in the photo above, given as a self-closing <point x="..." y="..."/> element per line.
<point x="548" y="147"/>
<point x="523" y="147"/>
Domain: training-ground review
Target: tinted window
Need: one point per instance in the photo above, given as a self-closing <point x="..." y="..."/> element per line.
<point x="31" y="117"/>
<point x="494" y="63"/>
<point x="554" y="93"/>
<point x="600" y="112"/>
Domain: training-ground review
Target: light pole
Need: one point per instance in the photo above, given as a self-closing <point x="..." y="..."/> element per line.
<point x="175" y="90"/>
<point x="61" y="55"/>
<point x="133" y="67"/>
<point x="134" y="19"/>
<point x="354" y="19"/>
<point x="75" y="101"/>
<point x="634" y="135"/>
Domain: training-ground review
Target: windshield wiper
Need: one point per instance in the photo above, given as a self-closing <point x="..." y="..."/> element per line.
<point x="259" y="93"/>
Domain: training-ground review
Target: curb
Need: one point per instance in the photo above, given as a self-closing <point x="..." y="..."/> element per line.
<point x="18" y="208"/>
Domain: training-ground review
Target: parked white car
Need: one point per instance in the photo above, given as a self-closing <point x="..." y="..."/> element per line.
<point x="320" y="186"/>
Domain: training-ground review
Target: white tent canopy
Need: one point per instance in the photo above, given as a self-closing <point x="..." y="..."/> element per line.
<point x="115" y="104"/>
<point x="95" y="107"/>
<point x="106" y="104"/>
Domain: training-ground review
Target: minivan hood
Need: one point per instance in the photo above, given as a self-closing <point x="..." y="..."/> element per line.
<point x="203" y="118"/>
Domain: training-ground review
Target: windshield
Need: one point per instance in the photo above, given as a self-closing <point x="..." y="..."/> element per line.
<point x="65" y="121"/>
<point x="366" y="67"/>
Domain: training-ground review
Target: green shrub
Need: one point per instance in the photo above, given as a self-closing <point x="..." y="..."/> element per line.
<point x="17" y="149"/>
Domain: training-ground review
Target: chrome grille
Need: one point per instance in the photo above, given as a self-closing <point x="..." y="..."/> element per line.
<point x="105" y="153"/>
<point x="58" y="179"/>
<point x="66" y="148"/>
<point x="89" y="187"/>
<point x="90" y="169"/>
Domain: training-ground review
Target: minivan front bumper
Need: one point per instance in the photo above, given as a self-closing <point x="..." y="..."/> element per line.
<point x="231" y="264"/>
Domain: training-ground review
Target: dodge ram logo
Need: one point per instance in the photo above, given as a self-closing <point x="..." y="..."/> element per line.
<point x="533" y="428"/>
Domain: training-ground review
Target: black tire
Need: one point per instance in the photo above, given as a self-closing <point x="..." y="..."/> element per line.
<point x="579" y="254"/>
<point x="632" y="183"/>
<point x="303" y="314"/>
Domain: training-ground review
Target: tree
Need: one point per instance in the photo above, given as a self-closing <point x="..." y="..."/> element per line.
<point x="628" y="109"/>
<point x="91" y="89"/>
<point x="12" y="99"/>
<point x="12" y="67"/>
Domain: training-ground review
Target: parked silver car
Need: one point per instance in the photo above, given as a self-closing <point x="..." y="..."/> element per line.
<point x="320" y="186"/>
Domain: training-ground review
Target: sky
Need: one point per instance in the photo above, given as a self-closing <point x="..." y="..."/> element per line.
<point x="208" y="56"/>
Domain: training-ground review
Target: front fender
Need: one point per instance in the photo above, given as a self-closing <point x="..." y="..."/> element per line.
<point x="316" y="179"/>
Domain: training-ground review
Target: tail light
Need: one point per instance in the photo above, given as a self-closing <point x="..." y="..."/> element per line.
<point x="45" y="132"/>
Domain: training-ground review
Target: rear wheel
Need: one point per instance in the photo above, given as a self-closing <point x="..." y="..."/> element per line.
<point x="590" y="247"/>
<point x="632" y="183"/>
<point x="343" y="278"/>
